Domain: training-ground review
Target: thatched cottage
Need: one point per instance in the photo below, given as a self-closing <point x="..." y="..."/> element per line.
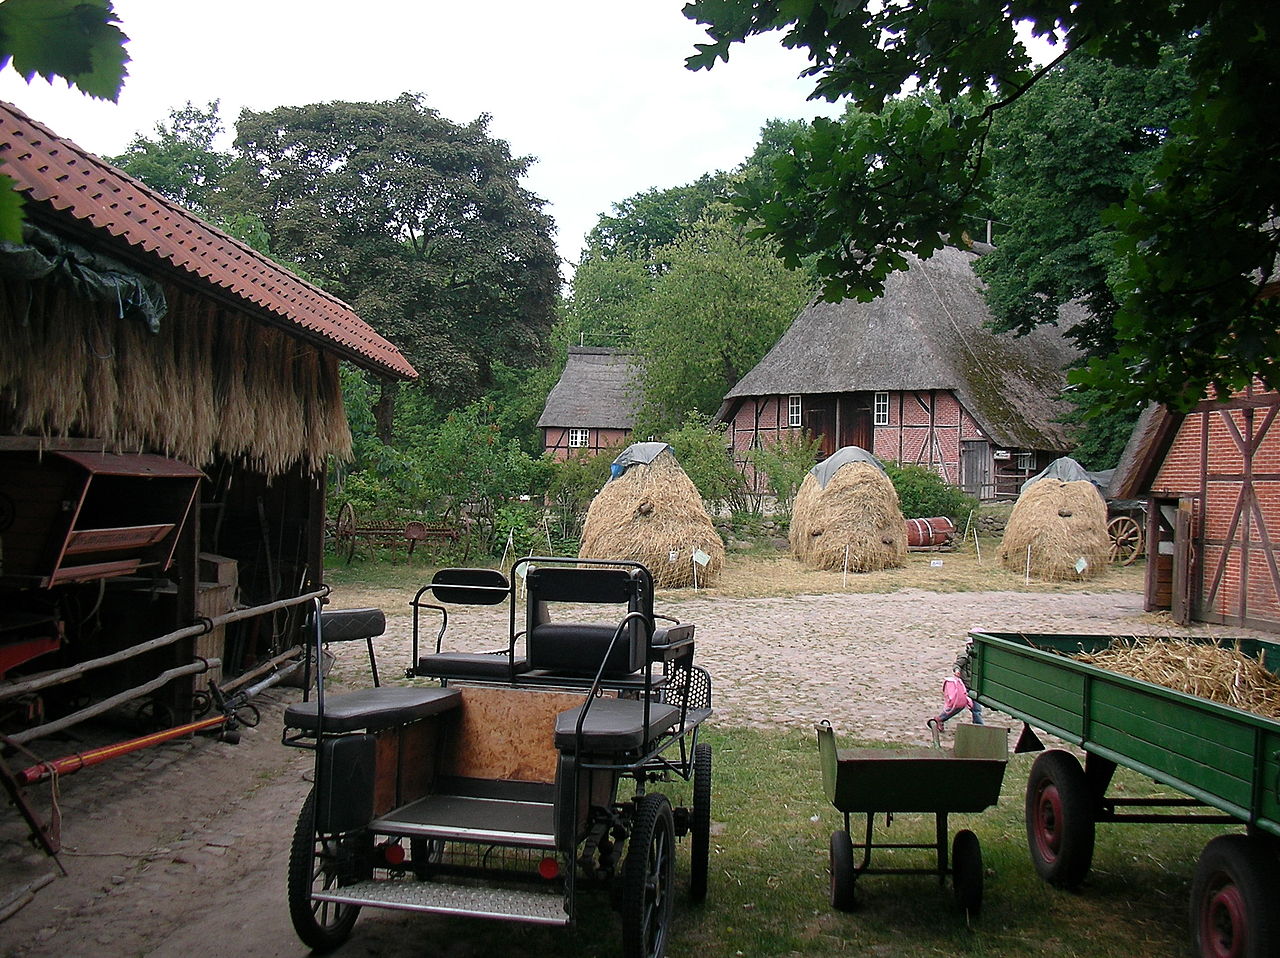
<point x="914" y="376"/>
<point x="169" y="400"/>
<point x="593" y="406"/>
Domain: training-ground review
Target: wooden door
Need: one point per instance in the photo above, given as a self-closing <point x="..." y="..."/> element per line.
<point x="855" y="420"/>
<point x="1181" y="604"/>
<point x="820" y="423"/>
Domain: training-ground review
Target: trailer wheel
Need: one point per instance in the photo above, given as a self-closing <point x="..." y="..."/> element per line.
<point x="1233" y="898"/>
<point x="966" y="872"/>
<point x="1060" y="819"/>
<point x="647" y="878"/>
<point x="700" y="837"/>
<point x="318" y="862"/>
<point x="844" y="877"/>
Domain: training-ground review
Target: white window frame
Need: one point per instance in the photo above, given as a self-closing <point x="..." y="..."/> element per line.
<point x="579" y="437"/>
<point x="1024" y="461"/>
<point x="880" y="403"/>
<point x="795" y="412"/>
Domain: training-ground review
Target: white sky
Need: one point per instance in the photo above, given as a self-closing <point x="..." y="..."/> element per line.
<point x="596" y="90"/>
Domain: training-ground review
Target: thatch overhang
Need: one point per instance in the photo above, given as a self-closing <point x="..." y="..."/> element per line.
<point x="930" y="330"/>
<point x="78" y="194"/>
<point x="1153" y="433"/>
<point x="599" y="388"/>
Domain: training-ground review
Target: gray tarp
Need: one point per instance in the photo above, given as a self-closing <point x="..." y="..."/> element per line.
<point x="1068" y="470"/>
<point x="90" y="275"/>
<point x="824" y="470"/>
<point x="636" y="454"/>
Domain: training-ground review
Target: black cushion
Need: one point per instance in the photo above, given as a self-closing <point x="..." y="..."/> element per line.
<point x="341" y="625"/>
<point x="495" y="666"/>
<point x="613" y="725"/>
<point x="577" y="648"/>
<point x="372" y="709"/>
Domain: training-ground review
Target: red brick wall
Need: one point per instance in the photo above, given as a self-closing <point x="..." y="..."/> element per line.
<point x="1220" y="451"/>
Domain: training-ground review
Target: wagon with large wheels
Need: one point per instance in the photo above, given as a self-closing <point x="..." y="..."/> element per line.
<point x="1224" y="760"/>
<point x="874" y="781"/>
<point x="504" y="783"/>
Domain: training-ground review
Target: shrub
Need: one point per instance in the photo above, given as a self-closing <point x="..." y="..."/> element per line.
<point x="923" y="493"/>
<point x="784" y="464"/>
<point x="703" y="454"/>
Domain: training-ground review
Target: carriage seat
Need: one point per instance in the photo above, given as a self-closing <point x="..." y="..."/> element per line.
<point x="483" y="666"/>
<point x="614" y="725"/>
<point x="372" y="710"/>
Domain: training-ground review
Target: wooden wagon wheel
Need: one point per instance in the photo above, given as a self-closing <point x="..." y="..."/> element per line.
<point x="346" y="531"/>
<point x="1126" y="539"/>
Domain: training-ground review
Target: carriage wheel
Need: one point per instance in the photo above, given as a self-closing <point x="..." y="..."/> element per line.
<point x="647" y="876"/>
<point x="1126" y="539"/>
<point x="700" y="843"/>
<point x="966" y="872"/>
<point x="319" y="863"/>
<point x="1060" y="821"/>
<point x="346" y="531"/>
<point x="844" y="877"/>
<point x="1233" y="899"/>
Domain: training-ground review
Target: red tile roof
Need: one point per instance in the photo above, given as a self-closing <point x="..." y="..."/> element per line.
<point x="55" y="171"/>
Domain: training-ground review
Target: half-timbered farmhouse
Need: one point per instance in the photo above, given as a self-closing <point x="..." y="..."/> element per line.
<point x="914" y="376"/>
<point x="593" y="406"/>
<point x="1211" y="479"/>
<point x="169" y="400"/>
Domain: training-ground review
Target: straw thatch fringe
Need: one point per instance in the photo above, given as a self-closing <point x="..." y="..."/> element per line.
<point x="1060" y="523"/>
<point x="211" y="383"/>
<point x="853" y="522"/>
<point x="646" y="514"/>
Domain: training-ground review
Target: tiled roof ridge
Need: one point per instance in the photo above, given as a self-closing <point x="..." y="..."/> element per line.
<point x="111" y="200"/>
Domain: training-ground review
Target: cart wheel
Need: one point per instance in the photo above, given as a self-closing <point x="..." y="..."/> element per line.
<point x="321" y="862"/>
<point x="346" y="531"/>
<point x="647" y="877"/>
<point x="843" y="875"/>
<point x="1126" y="539"/>
<point x="1233" y="899"/>
<point x="1059" y="812"/>
<point x="700" y="841"/>
<point x="966" y="872"/>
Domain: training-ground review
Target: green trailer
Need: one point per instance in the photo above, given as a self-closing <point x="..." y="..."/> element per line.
<point x="1226" y="762"/>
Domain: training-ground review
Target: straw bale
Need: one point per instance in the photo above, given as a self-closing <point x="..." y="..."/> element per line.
<point x="1060" y="522"/>
<point x="646" y="514"/>
<point x="1212" y="670"/>
<point x="854" y="519"/>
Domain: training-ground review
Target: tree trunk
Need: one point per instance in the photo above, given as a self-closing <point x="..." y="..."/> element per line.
<point x="384" y="410"/>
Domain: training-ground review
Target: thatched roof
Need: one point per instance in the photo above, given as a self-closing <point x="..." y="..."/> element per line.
<point x="1152" y="435"/>
<point x="73" y="192"/>
<point x="599" y="388"/>
<point x="928" y="331"/>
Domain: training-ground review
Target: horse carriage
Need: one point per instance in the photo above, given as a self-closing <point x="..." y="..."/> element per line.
<point x="501" y="784"/>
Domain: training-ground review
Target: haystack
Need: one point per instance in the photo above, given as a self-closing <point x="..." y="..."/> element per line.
<point x="1061" y="523"/>
<point x="853" y="521"/>
<point x="650" y="512"/>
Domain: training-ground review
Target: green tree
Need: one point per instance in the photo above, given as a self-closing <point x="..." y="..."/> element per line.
<point x="644" y="223"/>
<point x="419" y="223"/>
<point x="702" y="449"/>
<point x="1194" y="238"/>
<point x="180" y="160"/>
<point x="720" y="306"/>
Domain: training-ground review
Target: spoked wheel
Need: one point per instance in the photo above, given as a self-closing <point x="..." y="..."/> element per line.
<point x="1233" y="899"/>
<point x="1060" y="819"/>
<point x="319" y="863"/>
<point x="647" y="878"/>
<point x="346" y="531"/>
<point x="1126" y="539"/>
<point x="700" y="833"/>
<point x="966" y="872"/>
<point x="844" y="876"/>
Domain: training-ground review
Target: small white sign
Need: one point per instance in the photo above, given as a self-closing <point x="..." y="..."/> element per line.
<point x="673" y="556"/>
<point x="700" y="557"/>
<point x="1081" y="564"/>
<point x="935" y="563"/>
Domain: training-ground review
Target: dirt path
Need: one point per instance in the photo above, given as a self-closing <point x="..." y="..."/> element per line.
<point x="180" y="851"/>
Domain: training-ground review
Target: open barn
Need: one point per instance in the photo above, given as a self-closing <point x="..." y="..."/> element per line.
<point x="169" y="401"/>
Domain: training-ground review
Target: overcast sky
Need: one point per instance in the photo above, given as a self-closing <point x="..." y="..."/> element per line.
<point x="596" y="90"/>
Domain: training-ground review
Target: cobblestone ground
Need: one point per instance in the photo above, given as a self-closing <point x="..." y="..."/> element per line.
<point x="180" y="850"/>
